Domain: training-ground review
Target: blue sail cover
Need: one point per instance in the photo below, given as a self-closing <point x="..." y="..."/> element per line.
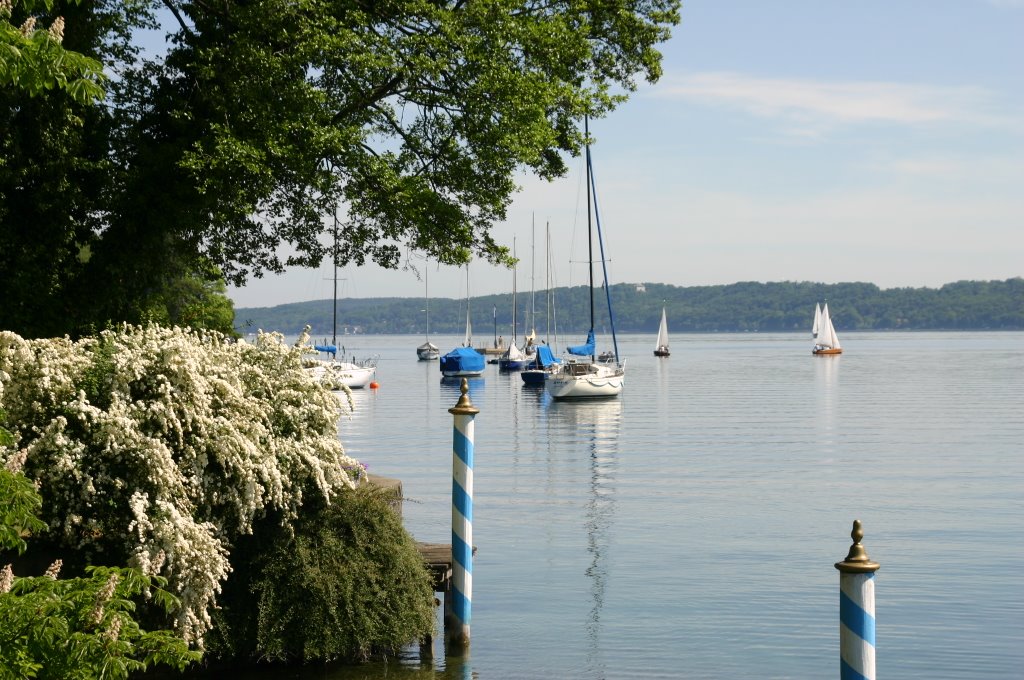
<point x="326" y="348"/>
<point x="544" y="357"/>
<point x="584" y="350"/>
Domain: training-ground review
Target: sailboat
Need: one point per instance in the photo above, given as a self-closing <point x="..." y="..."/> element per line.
<point x="827" y="340"/>
<point x="544" y="360"/>
<point x="661" y="346"/>
<point x="817" y="320"/>
<point x="428" y="351"/>
<point x="464" y="361"/>
<point x="586" y="379"/>
<point x="513" y="359"/>
<point x="338" y="375"/>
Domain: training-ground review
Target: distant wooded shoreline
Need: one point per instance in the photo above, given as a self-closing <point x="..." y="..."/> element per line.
<point x="738" y="307"/>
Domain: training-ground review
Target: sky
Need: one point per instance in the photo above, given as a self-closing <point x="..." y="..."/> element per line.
<point x="879" y="141"/>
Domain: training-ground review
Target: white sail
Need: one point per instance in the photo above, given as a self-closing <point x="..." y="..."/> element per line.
<point x="662" y="332"/>
<point x="817" y="320"/>
<point x="514" y="354"/>
<point x="826" y="331"/>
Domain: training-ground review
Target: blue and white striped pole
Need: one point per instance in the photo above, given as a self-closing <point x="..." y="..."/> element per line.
<point x="857" y="611"/>
<point x="461" y="593"/>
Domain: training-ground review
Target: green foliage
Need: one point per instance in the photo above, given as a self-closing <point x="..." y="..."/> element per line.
<point x="347" y="584"/>
<point x="19" y="505"/>
<point x="19" y="502"/>
<point x="33" y="60"/>
<point x="748" y="306"/>
<point x="194" y="299"/>
<point x="84" y="627"/>
<point x="79" y="627"/>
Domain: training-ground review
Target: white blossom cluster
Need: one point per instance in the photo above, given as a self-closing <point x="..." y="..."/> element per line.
<point x="169" y="442"/>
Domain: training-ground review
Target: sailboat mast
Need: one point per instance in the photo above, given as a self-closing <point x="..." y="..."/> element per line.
<point x="590" y="237"/>
<point x="547" y="281"/>
<point x="533" y="282"/>
<point x="514" y="291"/>
<point x="334" y="259"/>
<point x="604" y="265"/>
<point x="469" y="324"/>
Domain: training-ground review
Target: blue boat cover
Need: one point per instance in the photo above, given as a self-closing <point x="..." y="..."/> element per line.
<point x="544" y="357"/>
<point x="326" y="348"/>
<point x="584" y="350"/>
<point x="462" y="359"/>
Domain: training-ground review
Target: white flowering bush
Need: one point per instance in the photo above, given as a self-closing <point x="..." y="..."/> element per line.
<point x="163" y="445"/>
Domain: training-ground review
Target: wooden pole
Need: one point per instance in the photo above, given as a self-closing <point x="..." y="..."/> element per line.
<point x="857" y="611"/>
<point x="461" y="592"/>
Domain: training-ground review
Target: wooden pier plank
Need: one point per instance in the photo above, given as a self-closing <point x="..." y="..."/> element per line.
<point x="438" y="558"/>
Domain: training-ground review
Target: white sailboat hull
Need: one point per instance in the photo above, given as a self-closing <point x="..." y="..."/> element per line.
<point x="582" y="380"/>
<point x="428" y="351"/>
<point x="344" y="373"/>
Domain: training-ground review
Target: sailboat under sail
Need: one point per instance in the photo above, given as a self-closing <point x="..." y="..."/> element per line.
<point x="827" y="341"/>
<point x="661" y="345"/>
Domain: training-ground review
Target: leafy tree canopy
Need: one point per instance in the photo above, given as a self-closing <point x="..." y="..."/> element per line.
<point x="411" y="114"/>
<point x="405" y="120"/>
<point x="33" y="60"/>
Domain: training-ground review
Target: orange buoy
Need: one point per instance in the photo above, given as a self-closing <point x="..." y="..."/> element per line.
<point x="374" y="385"/>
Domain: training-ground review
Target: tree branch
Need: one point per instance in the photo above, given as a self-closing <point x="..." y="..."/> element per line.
<point x="173" y="8"/>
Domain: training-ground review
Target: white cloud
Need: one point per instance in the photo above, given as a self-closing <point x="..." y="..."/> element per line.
<point x="821" y="104"/>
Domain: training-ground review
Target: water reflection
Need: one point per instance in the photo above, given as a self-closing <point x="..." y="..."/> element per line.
<point x="451" y="388"/>
<point x="597" y="424"/>
<point x="826" y="404"/>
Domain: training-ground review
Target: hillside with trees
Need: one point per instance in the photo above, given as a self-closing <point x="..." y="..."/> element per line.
<point x="744" y="306"/>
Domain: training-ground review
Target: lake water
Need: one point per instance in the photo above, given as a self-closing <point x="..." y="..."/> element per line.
<point x="688" y="529"/>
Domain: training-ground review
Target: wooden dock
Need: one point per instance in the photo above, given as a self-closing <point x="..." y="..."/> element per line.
<point x="438" y="558"/>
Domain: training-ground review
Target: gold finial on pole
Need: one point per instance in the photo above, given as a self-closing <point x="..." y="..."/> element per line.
<point x="857" y="560"/>
<point x="464" y="407"/>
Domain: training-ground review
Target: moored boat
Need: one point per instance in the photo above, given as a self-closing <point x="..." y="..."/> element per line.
<point x="577" y="379"/>
<point x="428" y="351"/>
<point x="514" y="359"/>
<point x="329" y="371"/>
<point x="544" y="363"/>
<point x="464" y="361"/>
